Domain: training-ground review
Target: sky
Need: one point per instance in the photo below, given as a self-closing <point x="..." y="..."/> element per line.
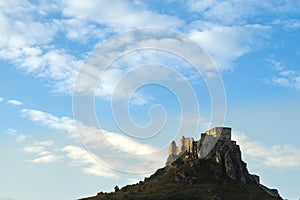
<point x="93" y="92"/>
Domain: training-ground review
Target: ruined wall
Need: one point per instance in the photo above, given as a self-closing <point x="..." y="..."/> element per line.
<point x="224" y="133"/>
<point x="199" y="148"/>
<point x="175" y="152"/>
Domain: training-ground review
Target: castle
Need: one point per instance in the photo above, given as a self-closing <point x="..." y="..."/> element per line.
<point x="200" y="148"/>
<point x="216" y="144"/>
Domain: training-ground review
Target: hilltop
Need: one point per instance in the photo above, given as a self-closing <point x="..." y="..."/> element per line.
<point x="208" y="169"/>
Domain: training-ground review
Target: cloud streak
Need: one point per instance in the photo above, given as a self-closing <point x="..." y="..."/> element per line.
<point x="14" y="102"/>
<point x="261" y="155"/>
<point x="65" y="124"/>
<point x="80" y="157"/>
<point x="43" y="152"/>
<point x="127" y="149"/>
<point x="46" y="152"/>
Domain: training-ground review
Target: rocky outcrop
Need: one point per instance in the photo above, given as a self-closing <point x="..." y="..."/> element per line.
<point x="216" y="145"/>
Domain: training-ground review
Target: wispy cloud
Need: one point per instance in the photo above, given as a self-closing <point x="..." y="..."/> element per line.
<point x="1" y="99"/>
<point x="56" y="66"/>
<point x="27" y="42"/>
<point x="288" y="24"/>
<point x="14" y="102"/>
<point x="35" y="46"/>
<point x="120" y="150"/>
<point x="81" y="158"/>
<point x="48" y="158"/>
<point x="285" y="78"/>
<point x="43" y="152"/>
<point x="133" y="14"/>
<point x="240" y="40"/>
<point x="65" y="124"/>
<point x="140" y="99"/>
<point x="261" y="155"/>
<point x="30" y="44"/>
<point x="235" y="12"/>
<point x="46" y="152"/>
<point x="19" y="137"/>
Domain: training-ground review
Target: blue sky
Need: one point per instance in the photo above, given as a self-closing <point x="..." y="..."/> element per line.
<point x="255" y="49"/>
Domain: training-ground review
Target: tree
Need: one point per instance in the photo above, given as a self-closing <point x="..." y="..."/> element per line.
<point x="117" y="188"/>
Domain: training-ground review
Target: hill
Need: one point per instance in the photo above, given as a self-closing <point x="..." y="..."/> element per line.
<point x="208" y="169"/>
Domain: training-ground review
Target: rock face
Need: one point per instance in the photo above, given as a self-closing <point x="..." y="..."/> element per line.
<point x="216" y="145"/>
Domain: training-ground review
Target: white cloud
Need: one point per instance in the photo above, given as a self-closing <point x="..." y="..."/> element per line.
<point x="50" y="121"/>
<point x="285" y="78"/>
<point x="85" y="160"/>
<point x="120" y="150"/>
<point x="14" y="102"/>
<point x="48" y="158"/>
<point x="229" y="12"/>
<point x="140" y="99"/>
<point x="55" y="66"/>
<point x="33" y="149"/>
<point x="26" y="42"/>
<point x="46" y="152"/>
<point x="128" y="144"/>
<point x="121" y="82"/>
<point x="20" y="29"/>
<point x="46" y="143"/>
<point x="1" y="99"/>
<point x="43" y="152"/>
<point x="30" y="36"/>
<point x="108" y="13"/>
<point x="87" y="31"/>
<point x="30" y="44"/>
<point x="225" y="44"/>
<point x="136" y="65"/>
<point x="288" y="79"/>
<point x="261" y="155"/>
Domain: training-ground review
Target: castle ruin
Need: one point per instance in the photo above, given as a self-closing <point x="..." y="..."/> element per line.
<point x="216" y="144"/>
<point x="199" y="148"/>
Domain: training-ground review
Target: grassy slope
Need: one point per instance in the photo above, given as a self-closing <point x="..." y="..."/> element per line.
<point x="162" y="185"/>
